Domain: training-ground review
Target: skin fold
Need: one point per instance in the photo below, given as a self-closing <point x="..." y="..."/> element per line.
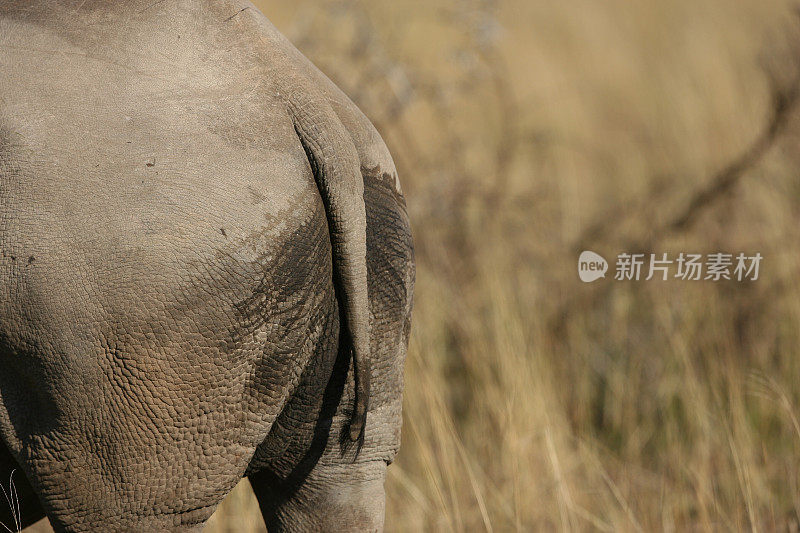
<point x="206" y="272"/>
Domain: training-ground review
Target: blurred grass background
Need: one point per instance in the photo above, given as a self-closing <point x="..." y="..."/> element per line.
<point x="525" y="131"/>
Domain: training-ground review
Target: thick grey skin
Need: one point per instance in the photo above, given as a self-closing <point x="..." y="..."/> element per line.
<point x="172" y="310"/>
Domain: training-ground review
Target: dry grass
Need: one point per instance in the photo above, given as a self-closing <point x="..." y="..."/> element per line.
<point x="523" y="132"/>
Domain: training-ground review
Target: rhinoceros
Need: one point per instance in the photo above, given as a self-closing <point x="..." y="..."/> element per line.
<point x="206" y="273"/>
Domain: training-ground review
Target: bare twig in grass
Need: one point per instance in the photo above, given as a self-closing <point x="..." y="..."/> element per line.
<point x="784" y="101"/>
<point x="636" y="209"/>
<point x="12" y="499"/>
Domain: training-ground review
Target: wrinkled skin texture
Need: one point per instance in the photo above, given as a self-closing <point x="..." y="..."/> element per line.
<point x="175" y="298"/>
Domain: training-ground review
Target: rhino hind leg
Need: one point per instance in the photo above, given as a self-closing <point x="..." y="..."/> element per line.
<point x="333" y="497"/>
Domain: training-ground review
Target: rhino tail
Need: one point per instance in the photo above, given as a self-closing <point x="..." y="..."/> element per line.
<point x="336" y="166"/>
